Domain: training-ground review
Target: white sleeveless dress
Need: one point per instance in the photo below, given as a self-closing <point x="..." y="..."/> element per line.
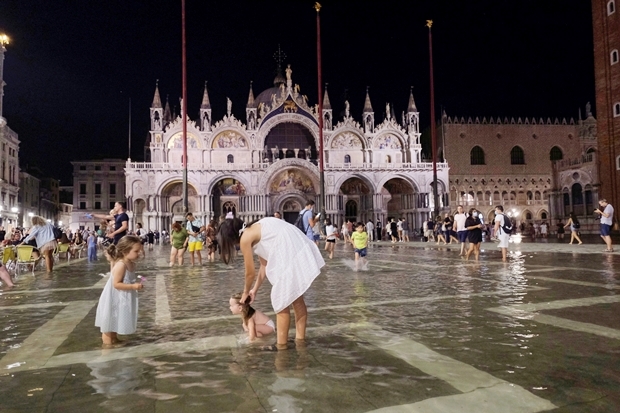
<point x="118" y="309"/>
<point x="293" y="261"/>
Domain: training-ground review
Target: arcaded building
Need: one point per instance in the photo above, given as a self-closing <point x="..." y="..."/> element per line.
<point x="539" y="170"/>
<point x="269" y="162"/>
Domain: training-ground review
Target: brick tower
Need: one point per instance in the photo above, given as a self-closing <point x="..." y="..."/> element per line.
<point x="606" y="27"/>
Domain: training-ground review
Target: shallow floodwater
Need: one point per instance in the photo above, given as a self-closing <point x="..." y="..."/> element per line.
<point x="421" y="329"/>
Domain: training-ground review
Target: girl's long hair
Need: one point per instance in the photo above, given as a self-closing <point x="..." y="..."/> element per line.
<point x="118" y="251"/>
<point x="228" y="237"/>
<point x="246" y="309"/>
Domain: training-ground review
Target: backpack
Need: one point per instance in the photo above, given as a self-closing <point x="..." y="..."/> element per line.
<point x="299" y="223"/>
<point x="507" y="228"/>
<point x="576" y="225"/>
<point x="57" y="233"/>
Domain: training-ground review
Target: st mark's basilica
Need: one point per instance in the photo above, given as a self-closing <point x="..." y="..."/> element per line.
<point x="373" y="167"/>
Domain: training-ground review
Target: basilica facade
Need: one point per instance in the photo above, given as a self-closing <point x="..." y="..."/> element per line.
<point x="269" y="162"/>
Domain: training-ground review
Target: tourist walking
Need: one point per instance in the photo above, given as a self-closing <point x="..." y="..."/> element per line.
<point x="474" y="233"/>
<point x="43" y="232"/>
<point x="379" y="229"/>
<point x="194" y="229"/>
<point x="330" y="237"/>
<point x="370" y="230"/>
<point x="405" y="226"/>
<point x="460" y="227"/>
<point x="117" y="311"/>
<point x="288" y="259"/>
<point x="178" y="240"/>
<point x="502" y="226"/>
<point x="92" y="247"/>
<point x="211" y="240"/>
<point x="359" y="239"/>
<point x="607" y="220"/>
<point x="574" y="225"/>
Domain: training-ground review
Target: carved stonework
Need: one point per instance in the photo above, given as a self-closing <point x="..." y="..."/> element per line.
<point x="346" y="140"/>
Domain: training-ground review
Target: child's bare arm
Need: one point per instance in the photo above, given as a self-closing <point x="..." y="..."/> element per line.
<point x="118" y="272"/>
<point x="262" y="273"/>
<point x="251" y="329"/>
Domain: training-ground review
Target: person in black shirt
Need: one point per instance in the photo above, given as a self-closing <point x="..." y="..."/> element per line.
<point x="474" y="233"/>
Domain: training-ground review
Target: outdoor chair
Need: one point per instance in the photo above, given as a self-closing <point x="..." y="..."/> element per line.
<point x="24" y="258"/>
<point x="62" y="251"/>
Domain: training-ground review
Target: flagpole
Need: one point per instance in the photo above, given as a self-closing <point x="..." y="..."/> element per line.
<point x="184" y="110"/>
<point x="429" y="24"/>
<point x="317" y="7"/>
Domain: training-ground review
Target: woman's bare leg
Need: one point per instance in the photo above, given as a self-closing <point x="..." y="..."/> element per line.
<point x="301" y="318"/>
<point x="6" y="277"/>
<point x="283" y="323"/>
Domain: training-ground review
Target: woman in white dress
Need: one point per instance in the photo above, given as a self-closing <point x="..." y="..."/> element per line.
<point x="288" y="259"/>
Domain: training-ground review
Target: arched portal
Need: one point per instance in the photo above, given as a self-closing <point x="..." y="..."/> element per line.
<point x="172" y="196"/>
<point x="401" y="200"/>
<point x="357" y="198"/>
<point x="290" y="140"/>
<point x="226" y="197"/>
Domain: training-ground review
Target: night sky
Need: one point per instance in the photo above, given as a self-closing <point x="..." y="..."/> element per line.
<point x="72" y="67"/>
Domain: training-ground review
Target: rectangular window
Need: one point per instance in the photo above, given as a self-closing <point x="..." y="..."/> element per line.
<point x="82" y="205"/>
<point x="112" y="204"/>
<point x="112" y="189"/>
<point x="82" y="167"/>
<point x="97" y="167"/>
<point x="97" y="189"/>
<point x="97" y="205"/>
<point x="112" y="168"/>
<point x="82" y="189"/>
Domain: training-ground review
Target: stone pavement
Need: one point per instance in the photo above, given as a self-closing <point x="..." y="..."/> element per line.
<point x="421" y="331"/>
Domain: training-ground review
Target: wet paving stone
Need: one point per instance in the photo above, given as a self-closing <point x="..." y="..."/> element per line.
<point x="422" y="329"/>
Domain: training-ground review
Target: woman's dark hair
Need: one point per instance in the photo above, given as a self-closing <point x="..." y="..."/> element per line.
<point x="574" y="218"/>
<point x="176" y="226"/>
<point x="246" y="309"/>
<point x="228" y="236"/>
<point x="328" y="221"/>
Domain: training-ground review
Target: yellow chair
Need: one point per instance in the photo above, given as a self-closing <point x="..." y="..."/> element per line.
<point x="24" y="257"/>
<point x="8" y="254"/>
<point x="60" y="250"/>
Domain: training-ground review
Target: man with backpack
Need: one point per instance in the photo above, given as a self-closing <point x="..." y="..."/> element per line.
<point x="503" y="228"/>
<point x="307" y="220"/>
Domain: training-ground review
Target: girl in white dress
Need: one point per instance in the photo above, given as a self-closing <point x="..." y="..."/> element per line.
<point x="117" y="312"/>
<point x="287" y="258"/>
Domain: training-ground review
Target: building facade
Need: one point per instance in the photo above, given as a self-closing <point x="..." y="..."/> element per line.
<point x="526" y="165"/>
<point x="373" y="169"/>
<point x="9" y="163"/>
<point x="606" y="27"/>
<point x="97" y="186"/>
<point x="28" y="198"/>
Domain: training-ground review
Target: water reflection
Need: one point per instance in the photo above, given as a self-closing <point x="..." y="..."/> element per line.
<point x="117" y="377"/>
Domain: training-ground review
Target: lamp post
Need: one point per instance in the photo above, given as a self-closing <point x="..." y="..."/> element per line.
<point x="184" y="108"/>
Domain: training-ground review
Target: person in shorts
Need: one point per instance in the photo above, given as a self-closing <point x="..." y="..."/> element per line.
<point x="194" y="229"/>
<point x="459" y="225"/>
<point x="504" y="239"/>
<point x="607" y="220"/>
<point x="359" y="239"/>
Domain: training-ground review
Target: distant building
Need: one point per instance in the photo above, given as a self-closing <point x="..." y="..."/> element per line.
<point x="373" y="168"/>
<point x="606" y="27"/>
<point x="28" y="198"/>
<point x="9" y="164"/>
<point x="510" y="162"/>
<point x="97" y="186"/>
<point x="65" y="198"/>
<point x="49" y="199"/>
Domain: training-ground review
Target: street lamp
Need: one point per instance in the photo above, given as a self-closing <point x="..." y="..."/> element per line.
<point x="14" y="209"/>
<point x="4" y="39"/>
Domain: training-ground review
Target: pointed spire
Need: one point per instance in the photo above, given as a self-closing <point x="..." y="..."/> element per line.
<point x="326" y="104"/>
<point x="156" y="99"/>
<point x="412" y="107"/>
<point x="205" y="99"/>
<point x="167" y="112"/>
<point x="250" y="97"/>
<point x="367" y="105"/>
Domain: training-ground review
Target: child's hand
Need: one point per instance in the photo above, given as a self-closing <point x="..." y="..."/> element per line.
<point x="138" y="286"/>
